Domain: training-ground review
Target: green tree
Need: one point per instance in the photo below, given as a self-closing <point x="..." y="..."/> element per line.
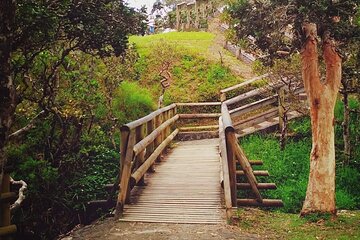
<point x="37" y="36"/>
<point x="278" y="27"/>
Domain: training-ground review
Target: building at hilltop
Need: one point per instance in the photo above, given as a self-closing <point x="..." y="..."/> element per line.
<point x="193" y="15"/>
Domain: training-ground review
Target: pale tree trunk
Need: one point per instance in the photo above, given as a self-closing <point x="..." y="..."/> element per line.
<point x="7" y="89"/>
<point x="320" y="194"/>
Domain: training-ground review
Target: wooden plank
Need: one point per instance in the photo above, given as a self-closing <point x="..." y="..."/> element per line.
<point x="140" y="156"/>
<point x="247" y="82"/>
<point x="6" y="195"/>
<point x="190" y="195"/>
<point x="256" y="119"/>
<point x="197" y="104"/>
<point x="253" y="106"/>
<point x="142" y="144"/>
<point x="198" y="115"/>
<point x="143" y="120"/>
<point x="256" y="173"/>
<point x="150" y="147"/>
<point x="125" y="176"/>
<point x="7" y="230"/>
<point x="199" y="128"/>
<point x="246" y="167"/>
<point x="265" y="203"/>
<point x="136" y="176"/>
<point x="259" y="186"/>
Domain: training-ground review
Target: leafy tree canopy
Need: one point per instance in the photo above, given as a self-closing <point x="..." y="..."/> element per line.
<point x="277" y="24"/>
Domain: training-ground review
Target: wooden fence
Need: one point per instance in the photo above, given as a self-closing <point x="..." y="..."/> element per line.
<point x="6" y="197"/>
<point x="143" y="141"/>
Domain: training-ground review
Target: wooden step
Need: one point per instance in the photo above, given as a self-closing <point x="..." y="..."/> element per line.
<point x="7" y="197"/>
<point x="198" y="128"/>
<point x="265" y="203"/>
<point x="256" y="173"/>
<point x="256" y="162"/>
<point x="5" y="231"/>
<point x="259" y="185"/>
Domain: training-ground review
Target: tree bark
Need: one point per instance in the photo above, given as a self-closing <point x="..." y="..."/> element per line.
<point x="7" y="89"/>
<point x="320" y="194"/>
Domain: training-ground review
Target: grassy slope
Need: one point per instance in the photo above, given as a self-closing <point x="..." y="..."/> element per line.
<point x="196" y="42"/>
<point x="196" y="76"/>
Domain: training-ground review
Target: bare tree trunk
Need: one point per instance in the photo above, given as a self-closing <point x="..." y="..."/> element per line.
<point x="320" y="194"/>
<point x="7" y="89"/>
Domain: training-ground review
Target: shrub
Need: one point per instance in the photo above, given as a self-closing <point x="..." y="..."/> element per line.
<point x="289" y="169"/>
<point x="132" y="102"/>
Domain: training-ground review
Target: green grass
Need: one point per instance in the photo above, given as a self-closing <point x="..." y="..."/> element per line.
<point x="195" y="78"/>
<point x="277" y="225"/>
<point x="196" y="42"/>
<point x="289" y="169"/>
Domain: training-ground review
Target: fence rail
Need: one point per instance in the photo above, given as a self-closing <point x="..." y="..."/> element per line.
<point x="144" y="140"/>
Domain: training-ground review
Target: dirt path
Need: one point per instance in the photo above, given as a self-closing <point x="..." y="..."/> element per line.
<point x="109" y="229"/>
<point x="236" y="66"/>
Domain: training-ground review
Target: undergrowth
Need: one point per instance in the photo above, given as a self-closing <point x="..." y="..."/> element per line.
<point x="289" y="169"/>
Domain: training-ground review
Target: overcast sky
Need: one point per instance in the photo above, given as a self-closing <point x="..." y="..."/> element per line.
<point x="139" y="3"/>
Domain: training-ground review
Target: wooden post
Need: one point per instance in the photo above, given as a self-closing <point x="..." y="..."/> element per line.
<point x="123" y="146"/>
<point x="281" y="102"/>
<point x="125" y="176"/>
<point x="158" y="139"/>
<point x="232" y="167"/>
<point x="150" y="147"/>
<point x="5" y="207"/>
<point x="141" y="156"/>
<point x="166" y="131"/>
<point x="222" y="97"/>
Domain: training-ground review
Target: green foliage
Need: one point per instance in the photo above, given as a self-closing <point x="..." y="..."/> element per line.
<point x="217" y="73"/>
<point x="301" y="127"/>
<point x="289" y="170"/>
<point x="318" y="216"/>
<point x="132" y="102"/>
<point x="268" y="22"/>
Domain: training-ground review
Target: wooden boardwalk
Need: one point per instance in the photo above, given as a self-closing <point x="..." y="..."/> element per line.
<point x="184" y="189"/>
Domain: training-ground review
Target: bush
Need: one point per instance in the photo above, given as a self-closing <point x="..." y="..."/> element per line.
<point x="289" y="169"/>
<point x="132" y="102"/>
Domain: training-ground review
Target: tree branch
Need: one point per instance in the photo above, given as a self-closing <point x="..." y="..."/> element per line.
<point x="333" y="63"/>
<point x="21" y="196"/>
<point x="29" y="126"/>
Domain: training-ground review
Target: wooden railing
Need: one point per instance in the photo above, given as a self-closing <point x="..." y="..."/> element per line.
<point x="230" y="154"/>
<point x="6" y="228"/>
<point x="223" y="92"/>
<point x="143" y="142"/>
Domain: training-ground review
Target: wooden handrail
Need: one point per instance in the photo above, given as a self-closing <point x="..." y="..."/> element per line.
<point x="247" y="82"/>
<point x="150" y="133"/>
<point x="225" y="170"/>
<point x="253" y="106"/>
<point x="194" y="104"/>
<point x="139" y="173"/>
<point x="147" y="118"/>
<point x="199" y="115"/>
<point x="140" y="146"/>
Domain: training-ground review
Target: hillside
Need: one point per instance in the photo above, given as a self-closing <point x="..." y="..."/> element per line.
<point x="193" y="59"/>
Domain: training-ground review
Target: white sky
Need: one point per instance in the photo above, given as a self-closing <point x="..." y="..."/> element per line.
<point x="139" y="3"/>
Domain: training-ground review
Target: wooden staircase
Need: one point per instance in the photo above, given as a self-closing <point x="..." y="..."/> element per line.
<point x="185" y="186"/>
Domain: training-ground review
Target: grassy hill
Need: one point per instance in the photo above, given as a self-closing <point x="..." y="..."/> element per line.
<point x="195" y="75"/>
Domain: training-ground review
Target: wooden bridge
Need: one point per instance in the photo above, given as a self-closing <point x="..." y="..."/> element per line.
<point x="194" y="181"/>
